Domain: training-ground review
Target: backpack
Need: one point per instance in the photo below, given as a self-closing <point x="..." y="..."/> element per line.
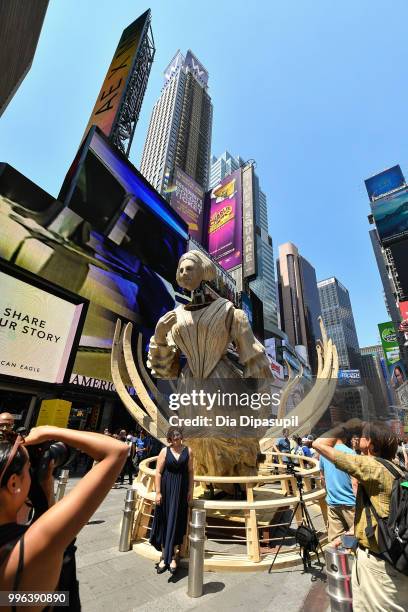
<point x="392" y="530"/>
<point x="307" y="540"/>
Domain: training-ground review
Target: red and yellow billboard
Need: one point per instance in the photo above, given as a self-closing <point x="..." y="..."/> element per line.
<point x="114" y="86"/>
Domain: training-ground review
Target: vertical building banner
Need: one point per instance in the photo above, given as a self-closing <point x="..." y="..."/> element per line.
<point x="225" y="222"/>
<point x="109" y="100"/>
<point x="188" y="201"/>
<point x="248" y="222"/>
<point x="388" y="336"/>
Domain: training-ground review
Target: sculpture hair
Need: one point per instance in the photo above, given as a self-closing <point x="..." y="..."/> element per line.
<point x="207" y="267"/>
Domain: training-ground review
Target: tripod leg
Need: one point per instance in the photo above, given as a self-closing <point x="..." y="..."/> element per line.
<point x="284" y="537"/>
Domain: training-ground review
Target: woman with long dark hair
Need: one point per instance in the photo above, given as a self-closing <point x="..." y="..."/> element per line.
<point x="31" y="557"/>
<point x="174" y="482"/>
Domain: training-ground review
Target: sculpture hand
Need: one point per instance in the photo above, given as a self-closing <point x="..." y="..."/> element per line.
<point x="164" y="325"/>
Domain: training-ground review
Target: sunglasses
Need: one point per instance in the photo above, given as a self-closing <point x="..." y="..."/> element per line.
<point x="9" y="436"/>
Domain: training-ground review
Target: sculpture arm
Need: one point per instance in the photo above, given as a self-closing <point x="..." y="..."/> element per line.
<point x="251" y="352"/>
<point x="163" y="359"/>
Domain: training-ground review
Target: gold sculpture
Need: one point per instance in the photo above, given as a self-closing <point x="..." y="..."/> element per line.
<point x="202" y="331"/>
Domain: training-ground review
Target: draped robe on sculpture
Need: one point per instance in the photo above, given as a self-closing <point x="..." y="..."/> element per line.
<point x="203" y="336"/>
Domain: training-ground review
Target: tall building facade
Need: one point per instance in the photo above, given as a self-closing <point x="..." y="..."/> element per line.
<point x="338" y="319"/>
<point x="373" y="373"/>
<point x="223" y="166"/>
<point x="264" y="285"/>
<point x="20" y="28"/>
<point x="299" y="301"/>
<point x="386" y="278"/>
<point x="180" y="126"/>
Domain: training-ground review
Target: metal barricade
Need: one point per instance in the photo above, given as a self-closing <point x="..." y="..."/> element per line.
<point x="125" y="543"/>
<point x="338" y="568"/>
<point x="196" y="558"/>
<point x="62" y="485"/>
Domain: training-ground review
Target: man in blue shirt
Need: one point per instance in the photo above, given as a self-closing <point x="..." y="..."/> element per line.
<point x="340" y="498"/>
<point x="283" y="445"/>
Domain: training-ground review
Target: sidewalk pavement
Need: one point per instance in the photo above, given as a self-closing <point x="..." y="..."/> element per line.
<point x="123" y="582"/>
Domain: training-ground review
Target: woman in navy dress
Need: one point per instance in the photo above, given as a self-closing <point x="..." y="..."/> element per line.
<point x="174" y="483"/>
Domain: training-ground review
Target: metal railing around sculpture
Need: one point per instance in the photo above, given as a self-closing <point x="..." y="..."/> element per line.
<point x="241" y="534"/>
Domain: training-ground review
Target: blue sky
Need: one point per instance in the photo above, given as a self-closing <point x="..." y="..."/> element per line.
<point x="315" y="92"/>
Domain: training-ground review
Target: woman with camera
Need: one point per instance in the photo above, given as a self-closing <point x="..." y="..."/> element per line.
<point x="31" y="557"/>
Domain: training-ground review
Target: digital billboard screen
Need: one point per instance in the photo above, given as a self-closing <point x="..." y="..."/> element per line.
<point x="391" y="216"/>
<point x="225" y="221"/>
<point x="103" y="188"/>
<point x="384" y="182"/>
<point x="39" y="326"/>
<point x="188" y="201"/>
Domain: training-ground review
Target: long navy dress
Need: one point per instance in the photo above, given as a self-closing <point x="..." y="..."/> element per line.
<point x="170" y="517"/>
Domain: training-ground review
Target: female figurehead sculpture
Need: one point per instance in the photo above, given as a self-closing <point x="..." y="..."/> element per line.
<point x="202" y="331"/>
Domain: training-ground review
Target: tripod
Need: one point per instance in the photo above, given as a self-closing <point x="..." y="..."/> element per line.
<point x="306" y="534"/>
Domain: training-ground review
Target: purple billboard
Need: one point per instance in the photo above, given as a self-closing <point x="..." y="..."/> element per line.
<point x="225" y="223"/>
<point x="188" y="201"/>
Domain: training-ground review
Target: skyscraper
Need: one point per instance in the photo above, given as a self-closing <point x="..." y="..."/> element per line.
<point x="264" y="284"/>
<point x="180" y="126"/>
<point x="338" y="318"/>
<point x="374" y="375"/>
<point x="388" y="285"/>
<point x="223" y="166"/>
<point x="20" y="28"/>
<point x="299" y="301"/>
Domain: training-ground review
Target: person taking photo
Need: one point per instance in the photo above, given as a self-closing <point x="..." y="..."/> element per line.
<point x="376" y="584"/>
<point x="31" y="557"/>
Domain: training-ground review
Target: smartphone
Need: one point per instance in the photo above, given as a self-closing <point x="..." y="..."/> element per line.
<point x="349" y="541"/>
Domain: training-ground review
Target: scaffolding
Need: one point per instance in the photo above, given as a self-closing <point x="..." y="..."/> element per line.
<point x="125" y="124"/>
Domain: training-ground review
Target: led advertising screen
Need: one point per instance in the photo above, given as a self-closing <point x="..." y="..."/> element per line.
<point x="114" y="86"/>
<point x="107" y="191"/>
<point x="188" y="201"/>
<point x="384" y="182"/>
<point x="225" y="222"/>
<point x="38" y="328"/>
<point x="349" y="377"/>
<point x="391" y="216"/>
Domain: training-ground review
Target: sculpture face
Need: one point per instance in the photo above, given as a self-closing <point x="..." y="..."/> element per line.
<point x="189" y="274"/>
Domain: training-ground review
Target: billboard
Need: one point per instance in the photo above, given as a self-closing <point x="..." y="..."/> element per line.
<point x="403" y="308"/>
<point x="39" y="327"/>
<point x="391" y="216"/>
<point x="389" y="342"/>
<point x="225" y="222"/>
<point x="103" y="188"/>
<point x="249" y="255"/>
<point x="390" y="346"/>
<point x="246" y="306"/>
<point x="188" y="201"/>
<point x="349" y="377"/>
<point x="384" y="182"/>
<point x="113" y="89"/>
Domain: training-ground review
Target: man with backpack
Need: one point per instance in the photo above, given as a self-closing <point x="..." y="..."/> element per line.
<point x="380" y="572"/>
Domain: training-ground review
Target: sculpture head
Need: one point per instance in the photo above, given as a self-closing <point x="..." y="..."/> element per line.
<point x="193" y="268"/>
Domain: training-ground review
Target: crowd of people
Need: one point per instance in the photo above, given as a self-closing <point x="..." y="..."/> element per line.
<point x="140" y="446"/>
<point x="361" y="464"/>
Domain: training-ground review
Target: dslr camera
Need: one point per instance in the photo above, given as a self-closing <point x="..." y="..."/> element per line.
<point x="42" y="454"/>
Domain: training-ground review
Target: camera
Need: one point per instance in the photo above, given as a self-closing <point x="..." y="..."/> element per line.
<point x="41" y="456"/>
